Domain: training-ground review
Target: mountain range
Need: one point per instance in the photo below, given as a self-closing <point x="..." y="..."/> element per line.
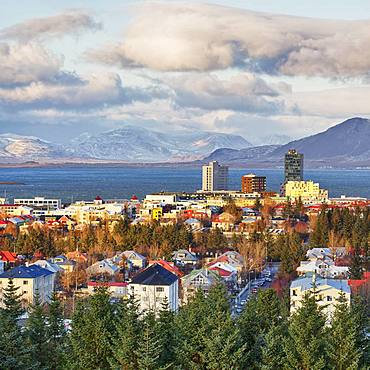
<point x="128" y="144"/>
<point x="345" y="145"/>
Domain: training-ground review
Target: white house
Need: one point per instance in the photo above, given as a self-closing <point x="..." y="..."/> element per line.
<point x="134" y="259"/>
<point x="30" y="280"/>
<point x="184" y="257"/>
<point x="327" y="292"/>
<point x="115" y="289"/>
<point x="102" y="267"/>
<point x="153" y="286"/>
<point x="48" y="265"/>
<point x="325" y="269"/>
<point x="202" y="279"/>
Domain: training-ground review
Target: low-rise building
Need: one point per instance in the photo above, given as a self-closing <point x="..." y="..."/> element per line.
<point x="153" y="287"/>
<point x="103" y="267"/>
<point x="30" y="280"/>
<point x="114" y="288"/>
<point x="308" y="191"/>
<point x="183" y="257"/>
<point x="327" y="291"/>
<point x="202" y="279"/>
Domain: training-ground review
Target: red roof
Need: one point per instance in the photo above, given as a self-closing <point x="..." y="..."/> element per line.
<point x="168" y="266"/>
<point x="7" y="256"/>
<point x="134" y="197"/>
<point x="221" y="272"/>
<point x="107" y="284"/>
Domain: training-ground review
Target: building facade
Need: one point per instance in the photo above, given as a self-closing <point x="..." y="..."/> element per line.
<point x="214" y="177"/>
<point x="153" y="287"/>
<point x="39" y="202"/>
<point x="293" y="166"/>
<point x="30" y="280"/>
<point x="307" y="191"/>
<point x="327" y="292"/>
<point x="253" y="184"/>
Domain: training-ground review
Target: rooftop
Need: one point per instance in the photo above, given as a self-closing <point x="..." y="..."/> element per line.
<point x="25" y="272"/>
<point x="154" y="275"/>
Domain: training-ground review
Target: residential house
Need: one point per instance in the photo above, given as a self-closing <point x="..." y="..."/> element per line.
<point x="9" y="258"/>
<point x="202" y="279"/>
<point x="327" y="292"/>
<point x="225" y="221"/>
<point x="114" y="288"/>
<point x="30" y="280"/>
<point x="64" y="263"/>
<point x="170" y="266"/>
<point x="153" y="287"/>
<point x="134" y="259"/>
<point x="193" y="224"/>
<point x="325" y="269"/>
<point x="104" y="267"/>
<point x="183" y="257"/>
<point x="45" y="264"/>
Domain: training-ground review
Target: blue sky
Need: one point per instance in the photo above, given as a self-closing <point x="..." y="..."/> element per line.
<point x="89" y="66"/>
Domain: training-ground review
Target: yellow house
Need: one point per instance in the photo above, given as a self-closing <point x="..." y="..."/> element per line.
<point x="157" y="213"/>
<point x="30" y="280"/>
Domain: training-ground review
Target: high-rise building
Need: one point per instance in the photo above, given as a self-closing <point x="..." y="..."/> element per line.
<point x="214" y="177"/>
<point x="293" y="166"/>
<point x="253" y="184"/>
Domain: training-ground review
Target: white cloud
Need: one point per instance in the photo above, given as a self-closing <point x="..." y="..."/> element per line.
<point x="181" y="37"/>
<point x="94" y="91"/>
<point x="242" y="92"/>
<point x="24" y="63"/>
<point x="58" y="25"/>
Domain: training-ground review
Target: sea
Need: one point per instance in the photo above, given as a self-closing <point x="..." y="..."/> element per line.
<point x="116" y="182"/>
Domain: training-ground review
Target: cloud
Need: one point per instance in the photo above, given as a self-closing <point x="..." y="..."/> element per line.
<point x="242" y="92"/>
<point x="94" y="91"/>
<point x="69" y="22"/>
<point x="199" y="37"/>
<point x="24" y="63"/>
<point x="336" y="103"/>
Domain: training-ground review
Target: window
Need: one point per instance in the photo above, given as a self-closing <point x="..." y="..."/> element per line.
<point x="25" y="282"/>
<point x="329" y="298"/>
<point x="144" y="288"/>
<point x="159" y="289"/>
<point x="25" y="292"/>
<point x="294" y="292"/>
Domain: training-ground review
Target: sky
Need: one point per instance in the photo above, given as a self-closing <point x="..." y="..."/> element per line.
<point x="269" y="70"/>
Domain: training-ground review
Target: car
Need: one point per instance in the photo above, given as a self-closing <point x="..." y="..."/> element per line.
<point x="243" y="302"/>
<point x="239" y="310"/>
<point x="269" y="280"/>
<point x="254" y="290"/>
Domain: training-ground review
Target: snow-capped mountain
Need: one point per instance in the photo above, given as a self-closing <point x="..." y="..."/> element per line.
<point x="138" y="144"/>
<point x="129" y="144"/>
<point x="26" y="148"/>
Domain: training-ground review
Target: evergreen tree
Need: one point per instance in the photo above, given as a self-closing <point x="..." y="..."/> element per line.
<point x="149" y="348"/>
<point x="343" y="353"/>
<point x="273" y="355"/>
<point x="14" y="354"/>
<point x="92" y="327"/>
<point x="166" y="332"/>
<point x="36" y="335"/>
<point x="55" y="333"/>
<point x="126" y="335"/>
<point x="305" y="346"/>
<point x="12" y="300"/>
<point x="356" y="267"/>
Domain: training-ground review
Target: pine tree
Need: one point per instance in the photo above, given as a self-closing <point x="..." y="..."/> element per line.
<point x="356" y="267"/>
<point x="55" y="333"/>
<point x="12" y="300"/>
<point x="273" y="356"/>
<point x="149" y="348"/>
<point x="305" y="345"/>
<point x="126" y="335"/>
<point x="36" y="334"/>
<point x="343" y="353"/>
<point x="92" y="327"/>
<point x="166" y="332"/>
<point x="14" y="354"/>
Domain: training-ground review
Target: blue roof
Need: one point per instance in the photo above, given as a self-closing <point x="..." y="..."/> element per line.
<point x="25" y="272"/>
<point x="305" y="283"/>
